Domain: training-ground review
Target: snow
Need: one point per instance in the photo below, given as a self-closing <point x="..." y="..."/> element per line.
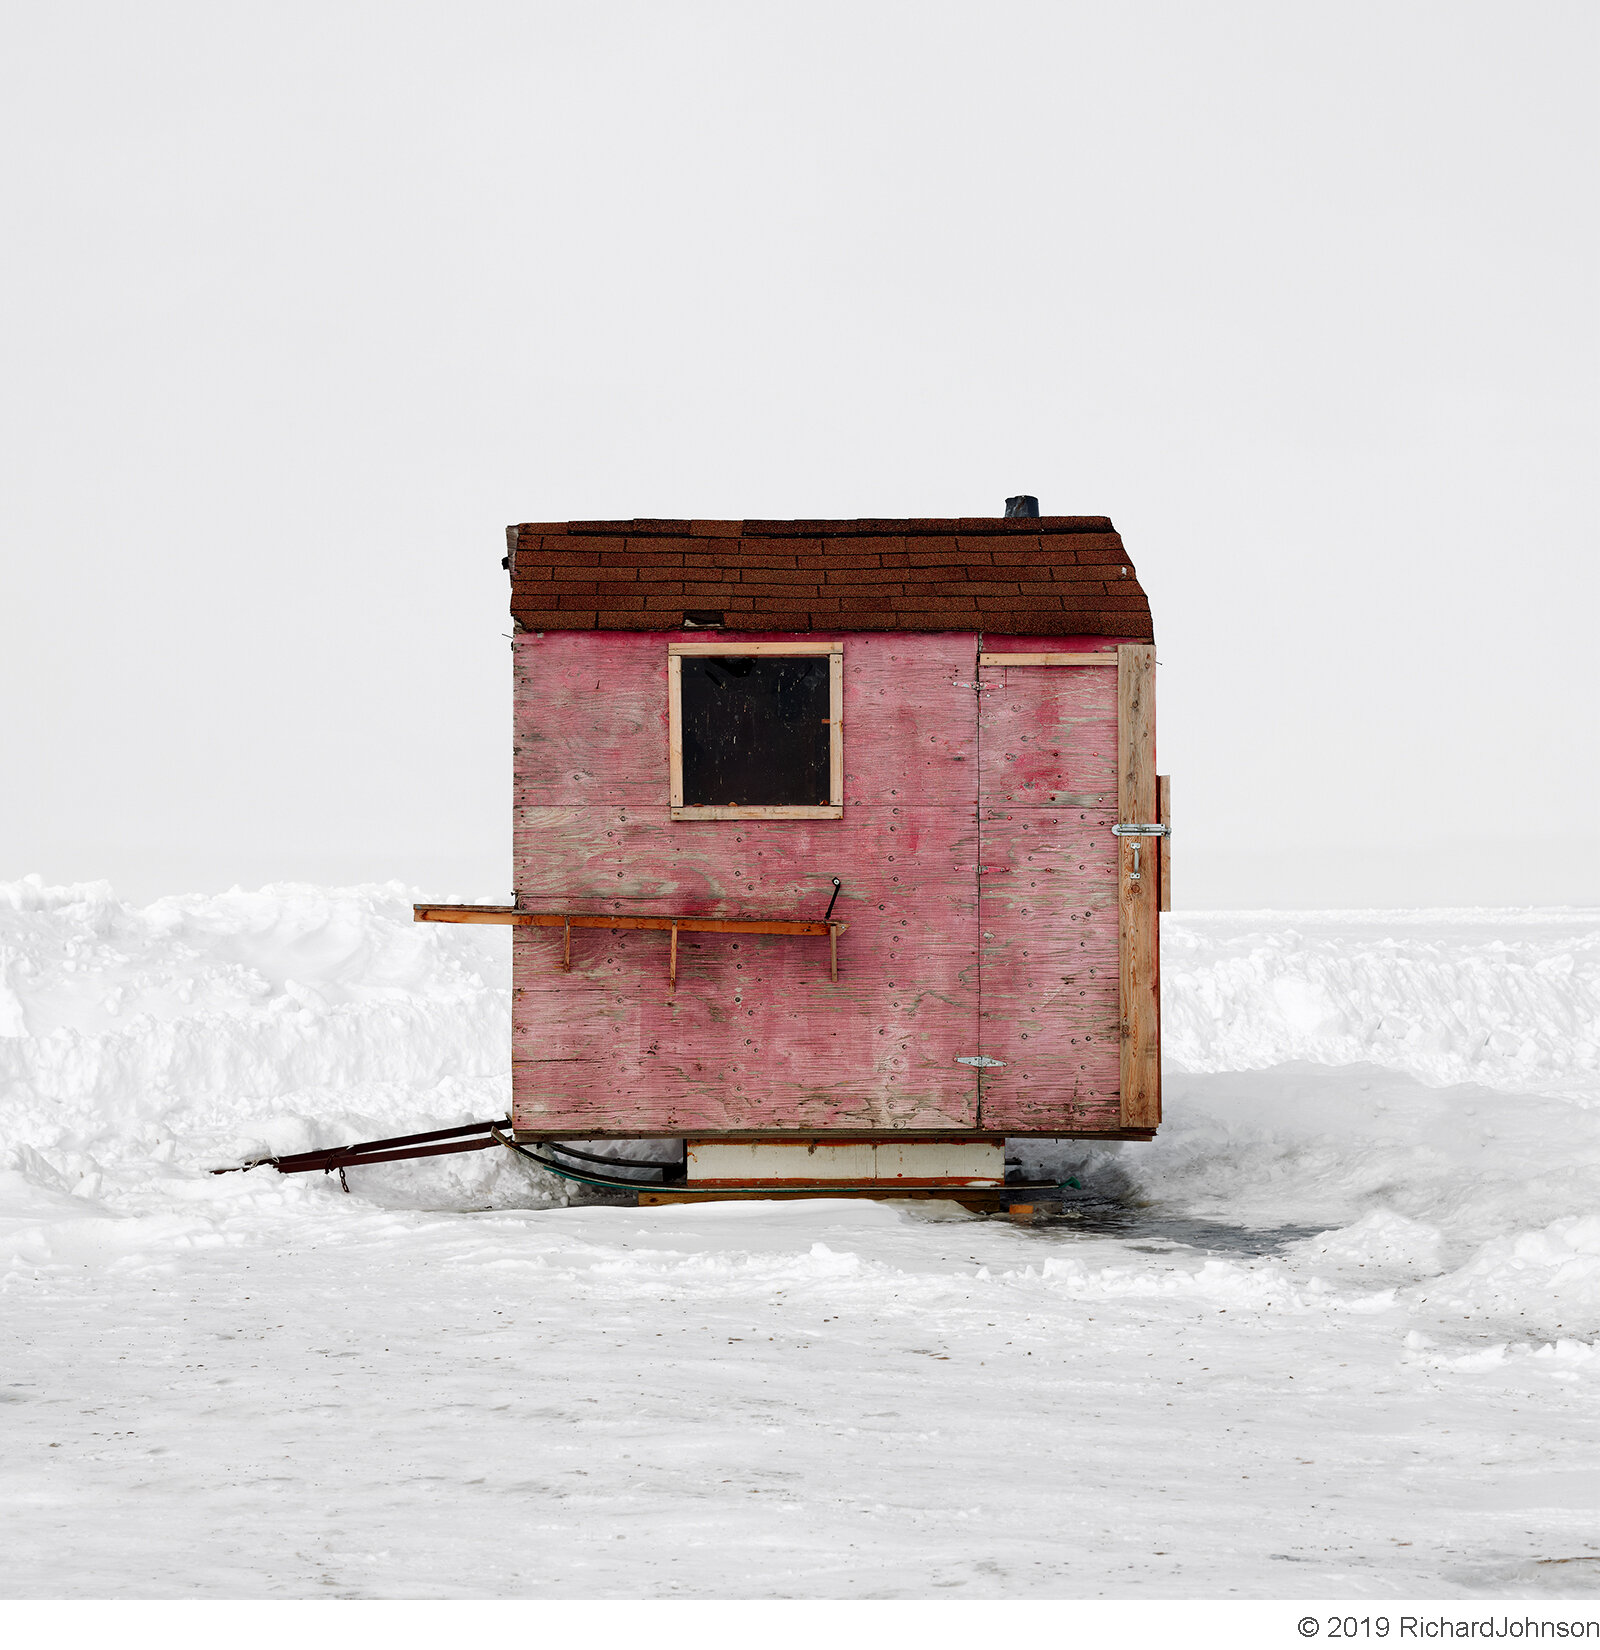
<point x="1333" y="1334"/>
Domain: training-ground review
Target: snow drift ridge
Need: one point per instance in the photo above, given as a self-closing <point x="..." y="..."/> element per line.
<point x="1309" y="1064"/>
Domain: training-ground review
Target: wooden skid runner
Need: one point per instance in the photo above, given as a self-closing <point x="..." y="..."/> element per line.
<point x="534" y="1137"/>
<point x="975" y="1198"/>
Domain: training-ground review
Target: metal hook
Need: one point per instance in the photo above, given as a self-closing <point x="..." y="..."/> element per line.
<point x="837" y="885"/>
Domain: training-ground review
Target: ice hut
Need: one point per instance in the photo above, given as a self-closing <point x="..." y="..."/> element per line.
<point x="839" y="845"/>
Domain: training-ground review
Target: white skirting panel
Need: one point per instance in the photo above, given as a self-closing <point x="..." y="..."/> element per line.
<point x="913" y="1162"/>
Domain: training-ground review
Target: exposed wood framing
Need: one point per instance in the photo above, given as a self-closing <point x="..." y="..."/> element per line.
<point x="1138" y="901"/>
<point x="1164" y="817"/>
<point x="991" y="661"/>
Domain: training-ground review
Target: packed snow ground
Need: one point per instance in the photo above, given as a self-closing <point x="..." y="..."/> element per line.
<point x="1333" y="1334"/>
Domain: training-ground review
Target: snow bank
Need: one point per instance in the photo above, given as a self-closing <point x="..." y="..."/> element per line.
<point x="1555" y="1270"/>
<point x="1370" y="1215"/>
<point x="1421" y="1090"/>
<point x="1323" y="1146"/>
<point x="202" y="1030"/>
<point x="1422" y="1086"/>
<point x="1507" y="999"/>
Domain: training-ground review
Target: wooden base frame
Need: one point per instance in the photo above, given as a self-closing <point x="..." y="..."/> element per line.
<point x="532" y="1137"/>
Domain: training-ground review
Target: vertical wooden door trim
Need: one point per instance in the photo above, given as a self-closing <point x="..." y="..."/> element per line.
<point x="1138" y="899"/>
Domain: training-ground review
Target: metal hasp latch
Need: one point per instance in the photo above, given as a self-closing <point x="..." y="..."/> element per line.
<point x="1137" y="831"/>
<point x="980" y="1060"/>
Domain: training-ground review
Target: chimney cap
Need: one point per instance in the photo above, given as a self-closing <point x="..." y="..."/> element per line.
<point x="1024" y="504"/>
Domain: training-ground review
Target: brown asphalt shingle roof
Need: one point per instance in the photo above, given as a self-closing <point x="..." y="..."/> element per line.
<point x="1035" y="576"/>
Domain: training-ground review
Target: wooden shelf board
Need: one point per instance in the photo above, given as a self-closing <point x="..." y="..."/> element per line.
<point x="512" y="916"/>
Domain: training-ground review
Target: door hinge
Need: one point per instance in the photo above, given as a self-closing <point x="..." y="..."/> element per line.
<point x="979" y="1060"/>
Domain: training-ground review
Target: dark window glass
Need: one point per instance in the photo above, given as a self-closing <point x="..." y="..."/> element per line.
<point x="755" y="731"/>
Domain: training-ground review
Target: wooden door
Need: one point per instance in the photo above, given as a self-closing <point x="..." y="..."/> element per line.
<point x="1066" y="940"/>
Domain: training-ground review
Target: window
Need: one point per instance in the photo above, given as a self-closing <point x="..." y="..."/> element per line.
<point x="756" y="731"/>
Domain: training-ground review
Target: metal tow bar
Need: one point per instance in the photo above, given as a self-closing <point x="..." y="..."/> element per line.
<point x="336" y="1159"/>
<point x="470" y="1137"/>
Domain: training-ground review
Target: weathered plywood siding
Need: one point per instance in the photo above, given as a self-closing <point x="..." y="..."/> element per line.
<point x="755" y="1035"/>
<point x="1049" y="986"/>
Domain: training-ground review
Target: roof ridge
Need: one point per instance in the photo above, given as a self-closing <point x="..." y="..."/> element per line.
<point x="804" y="527"/>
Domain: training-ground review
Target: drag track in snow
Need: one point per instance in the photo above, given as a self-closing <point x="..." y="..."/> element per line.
<point x="1333" y="1334"/>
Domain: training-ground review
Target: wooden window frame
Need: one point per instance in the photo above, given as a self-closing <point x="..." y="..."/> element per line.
<point x="677" y="652"/>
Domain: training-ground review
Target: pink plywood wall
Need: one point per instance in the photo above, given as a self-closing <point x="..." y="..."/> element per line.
<point x="756" y="1037"/>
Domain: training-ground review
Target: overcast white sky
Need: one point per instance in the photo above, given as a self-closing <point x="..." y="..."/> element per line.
<point x="302" y="303"/>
